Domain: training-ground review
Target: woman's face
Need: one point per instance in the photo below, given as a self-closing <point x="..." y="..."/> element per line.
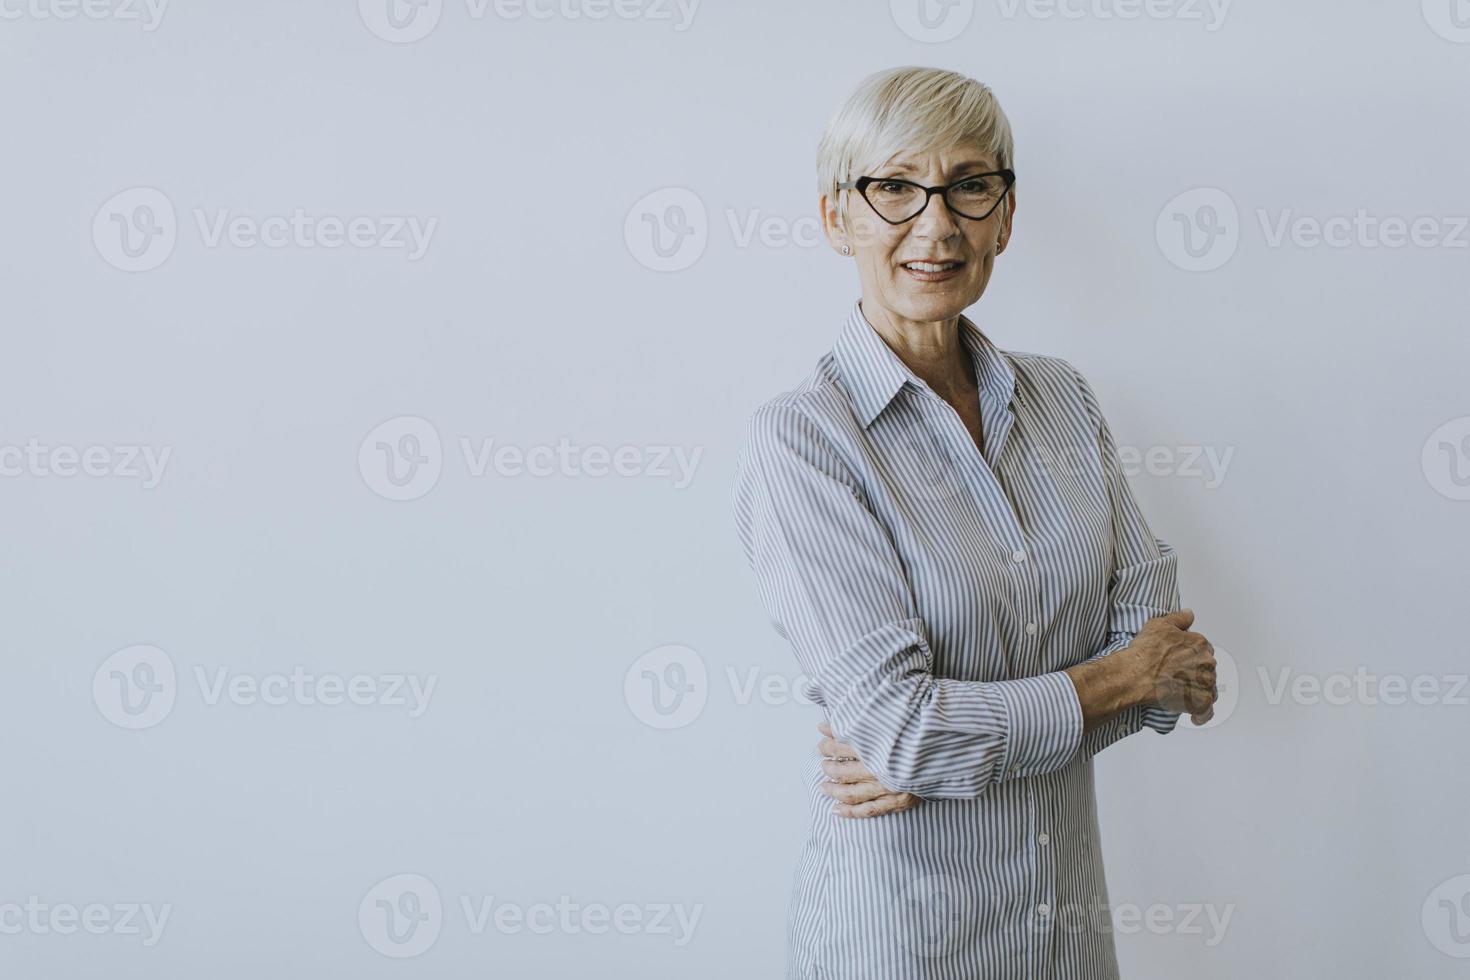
<point x="883" y="251"/>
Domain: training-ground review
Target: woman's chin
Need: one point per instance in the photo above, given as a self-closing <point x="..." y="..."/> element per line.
<point x="932" y="302"/>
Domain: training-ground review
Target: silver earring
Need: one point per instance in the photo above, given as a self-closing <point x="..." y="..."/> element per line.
<point x="846" y="249"/>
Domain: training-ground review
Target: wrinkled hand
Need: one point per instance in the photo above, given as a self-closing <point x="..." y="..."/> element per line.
<point x="856" y="790"/>
<point x="1179" y="665"/>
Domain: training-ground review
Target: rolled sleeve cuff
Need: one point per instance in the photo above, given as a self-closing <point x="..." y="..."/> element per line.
<point x="1158" y="719"/>
<point x="1043" y="723"/>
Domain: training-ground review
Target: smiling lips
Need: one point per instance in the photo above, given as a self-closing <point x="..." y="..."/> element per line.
<point x="932" y="271"/>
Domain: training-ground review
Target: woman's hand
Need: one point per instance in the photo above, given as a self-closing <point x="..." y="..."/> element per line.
<point x="856" y="790"/>
<point x="1178" y="665"/>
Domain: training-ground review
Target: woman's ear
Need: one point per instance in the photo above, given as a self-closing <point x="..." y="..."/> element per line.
<point x="832" y="225"/>
<point x="1005" y="221"/>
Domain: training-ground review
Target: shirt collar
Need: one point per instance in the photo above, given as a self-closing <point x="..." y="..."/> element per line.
<point x="873" y="373"/>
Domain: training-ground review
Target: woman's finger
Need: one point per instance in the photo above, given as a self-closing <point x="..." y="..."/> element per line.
<point x="882" y="806"/>
<point x="855" y="792"/>
<point x="833" y="749"/>
<point x="845" y="770"/>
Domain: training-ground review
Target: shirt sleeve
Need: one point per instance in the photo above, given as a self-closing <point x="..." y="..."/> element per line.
<point x="834" y="586"/>
<point x="1144" y="583"/>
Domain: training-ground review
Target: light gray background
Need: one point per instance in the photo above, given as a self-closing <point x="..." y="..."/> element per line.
<point x="1332" y="834"/>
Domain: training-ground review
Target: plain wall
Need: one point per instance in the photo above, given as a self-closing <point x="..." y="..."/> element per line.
<point x="1324" y="552"/>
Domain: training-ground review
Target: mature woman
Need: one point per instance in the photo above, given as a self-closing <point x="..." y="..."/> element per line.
<point x="942" y="531"/>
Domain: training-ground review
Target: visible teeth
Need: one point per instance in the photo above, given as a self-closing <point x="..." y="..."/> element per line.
<point x="930" y="266"/>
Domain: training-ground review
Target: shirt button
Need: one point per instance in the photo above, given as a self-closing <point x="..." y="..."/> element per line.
<point x="1018" y="556"/>
<point x="1015" y="770"/>
<point x="1043" y="838"/>
<point x="1043" y="909"/>
<point x="1030" y="629"/>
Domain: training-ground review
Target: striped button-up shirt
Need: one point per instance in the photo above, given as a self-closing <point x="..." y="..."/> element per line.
<point x="934" y="595"/>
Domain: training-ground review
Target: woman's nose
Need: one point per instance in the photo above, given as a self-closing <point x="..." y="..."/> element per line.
<point x="935" y="221"/>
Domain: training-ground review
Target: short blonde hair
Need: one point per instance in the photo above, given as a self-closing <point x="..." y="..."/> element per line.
<point x="909" y="109"/>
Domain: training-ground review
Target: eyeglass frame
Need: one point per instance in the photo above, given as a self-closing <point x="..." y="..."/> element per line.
<point x="861" y="185"/>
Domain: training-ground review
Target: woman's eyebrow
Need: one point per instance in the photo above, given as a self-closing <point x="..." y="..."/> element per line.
<point x="958" y="170"/>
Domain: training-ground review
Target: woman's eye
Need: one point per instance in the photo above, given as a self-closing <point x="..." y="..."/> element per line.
<point x="891" y="187"/>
